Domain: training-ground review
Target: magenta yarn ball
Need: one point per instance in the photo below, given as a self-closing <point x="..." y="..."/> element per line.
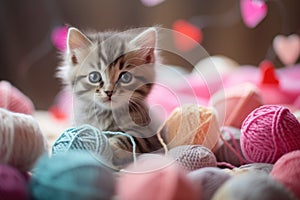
<point x="12" y="184"/>
<point x="269" y="132"/>
<point x="287" y="171"/>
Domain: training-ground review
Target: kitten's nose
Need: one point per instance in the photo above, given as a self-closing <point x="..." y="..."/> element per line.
<point x="109" y="93"/>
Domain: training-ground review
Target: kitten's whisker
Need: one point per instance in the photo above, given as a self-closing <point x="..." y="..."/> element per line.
<point x="138" y="98"/>
<point x="135" y="107"/>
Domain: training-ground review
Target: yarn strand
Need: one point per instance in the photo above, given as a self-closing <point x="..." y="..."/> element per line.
<point x="162" y="142"/>
<point x="131" y="139"/>
<point x="242" y="160"/>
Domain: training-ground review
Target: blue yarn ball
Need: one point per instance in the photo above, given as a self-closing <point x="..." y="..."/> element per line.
<point x="84" y="137"/>
<point x="76" y="175"/>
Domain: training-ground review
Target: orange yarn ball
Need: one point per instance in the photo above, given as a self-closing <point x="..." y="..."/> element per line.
<point x="191" y="124"/>
<point x="14" y="100"/>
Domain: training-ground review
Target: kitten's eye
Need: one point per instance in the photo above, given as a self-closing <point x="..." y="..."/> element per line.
<point x="125" y="77"/>
<point x="94" y="77"/>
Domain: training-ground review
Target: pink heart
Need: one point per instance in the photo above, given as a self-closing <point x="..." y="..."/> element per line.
<point x="287" y="48"/>
<point x="253" y="12"/>
<point x="151" y="3"/>
<point x="59" y="37"/>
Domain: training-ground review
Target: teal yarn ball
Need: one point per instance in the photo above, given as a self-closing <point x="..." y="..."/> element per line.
<point x="84" y="137"/>
<point x="76" y="175"/>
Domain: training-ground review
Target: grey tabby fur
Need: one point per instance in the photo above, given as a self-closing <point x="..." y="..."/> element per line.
<point x="112" y="103"/>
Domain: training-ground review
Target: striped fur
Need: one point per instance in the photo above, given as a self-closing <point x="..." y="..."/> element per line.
<point x="112" y="54"/>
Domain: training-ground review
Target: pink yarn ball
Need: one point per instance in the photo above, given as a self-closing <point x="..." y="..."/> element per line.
<point x="269" y="132"/>
<point x="21" y="140"/>
<point x="287" y="171"/>
<point x="14" y="100"/>
<point x="235" y="103"/>
<point x="12" y="184"/>
<point x="192" y="157"/>
<point x="156" y="178"/>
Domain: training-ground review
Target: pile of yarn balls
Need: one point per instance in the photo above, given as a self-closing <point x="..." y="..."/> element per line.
<point x="267" y="146"/>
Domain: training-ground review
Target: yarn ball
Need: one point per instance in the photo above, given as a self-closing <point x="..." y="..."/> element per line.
<point x="12" y="184"/>
<point x="208" y="75"/>
<point x="192" y="157"/>
<point x="229" y="150"/>
<point x="252" y="186"/>
<point x="217" y="65"/>
<point x="269" y="132"/>
<point x="191" y="124"/>
<point x="259" y="167"/>
<point x="14" y="100"/>
<point x="155" y="178"/>
<point x="233" y="104"/>
<point x="286" y="170"/>
<point x="84" y="137"/>
<point x="74" y="175"/>
<point x="242" y="74"/>
<point x="252" y="167"/>
<point x="209" y="179"/>
<point x="21" y="140"/>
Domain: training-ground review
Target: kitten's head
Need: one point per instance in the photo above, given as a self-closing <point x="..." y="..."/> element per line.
<point x="110" y="69"/>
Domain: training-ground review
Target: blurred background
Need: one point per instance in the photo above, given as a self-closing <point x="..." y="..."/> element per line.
<point x="28" y="58"/>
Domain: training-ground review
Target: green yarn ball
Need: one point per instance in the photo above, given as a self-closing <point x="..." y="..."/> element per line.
<point x="76" y="175"/>
<point x="84" y="137"/>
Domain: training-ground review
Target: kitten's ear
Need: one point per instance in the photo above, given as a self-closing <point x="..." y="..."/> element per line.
<point x="146" y="39"/>
<point x="145" y="44"/>
<point x="76" y="40"/>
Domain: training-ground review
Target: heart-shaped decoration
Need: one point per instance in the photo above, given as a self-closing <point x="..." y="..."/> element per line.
<point x="59" y="37"/>
<point x="151" y="3"/>
<point x="287" y="48"/>
<point x="268" y="73"/>
<point x="186" y="35"/>
<point x="253" y="12"/>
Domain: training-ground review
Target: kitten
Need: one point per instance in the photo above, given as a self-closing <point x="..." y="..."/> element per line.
<point x="110" y="75"/>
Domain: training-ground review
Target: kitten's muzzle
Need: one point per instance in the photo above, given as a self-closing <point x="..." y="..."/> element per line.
<point x="109" y="93"/>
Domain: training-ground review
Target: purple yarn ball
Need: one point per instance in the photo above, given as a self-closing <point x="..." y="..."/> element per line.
<point x="209" y="179"/>
<point x="230" y="150"/>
